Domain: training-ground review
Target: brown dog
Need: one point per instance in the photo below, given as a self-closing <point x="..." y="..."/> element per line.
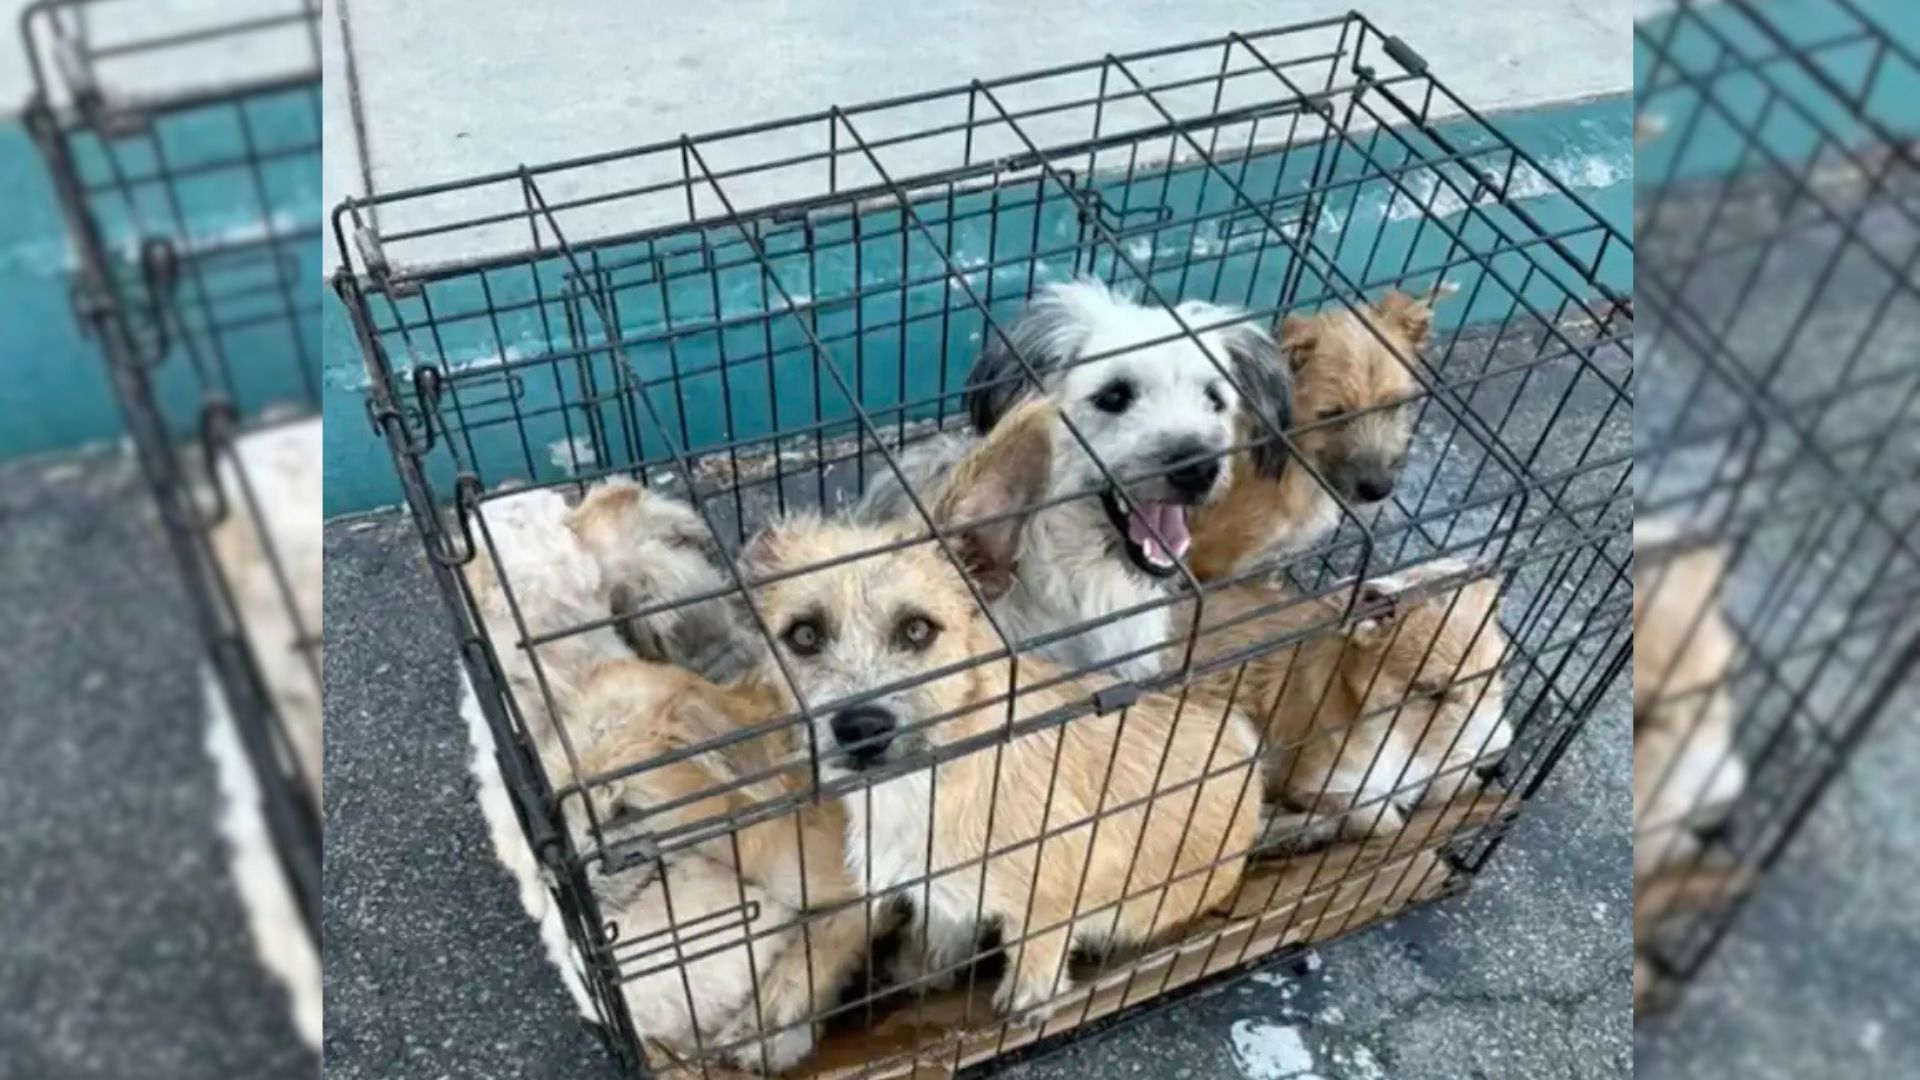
<point x="1685" y="768"/>
<point x="1397" y="712"/>
<point x="695" y="983"/>
<point x="1147" y="812"/>
<point x="1351" y="419"/>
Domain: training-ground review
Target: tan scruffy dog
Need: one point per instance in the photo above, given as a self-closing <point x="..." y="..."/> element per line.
<point x="1686" y="771"/>
<point x="570" y="570"/>
<point x="1353" y="420"/>
<point x="546" y="567"/>
<point x="1176" y="804"/>
<point x="1363" y="727"/>
<point x="732" y="1005"/>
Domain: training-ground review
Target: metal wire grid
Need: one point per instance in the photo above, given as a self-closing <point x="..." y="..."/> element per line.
<point x="677" y="353"/>
<point x="1777" y="403"/>
<point x="184" y="204"/>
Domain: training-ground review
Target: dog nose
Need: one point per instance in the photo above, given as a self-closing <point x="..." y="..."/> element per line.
<point x="1193" y="469"/>
<point x="1374" y="488"/>
<point x="864" y="732"/>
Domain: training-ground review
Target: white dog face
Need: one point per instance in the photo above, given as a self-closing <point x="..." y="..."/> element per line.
<point x="1160" y="417"/>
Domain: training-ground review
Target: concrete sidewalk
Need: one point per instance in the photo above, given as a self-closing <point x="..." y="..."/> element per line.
<point x="123" y="946"/>
<point x="435" y="90"/>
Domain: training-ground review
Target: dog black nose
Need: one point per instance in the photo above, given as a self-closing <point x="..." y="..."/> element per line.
<point x="1193" y="469"/>
<point x="864" y="732"/>
<point x="1374" y="488"/>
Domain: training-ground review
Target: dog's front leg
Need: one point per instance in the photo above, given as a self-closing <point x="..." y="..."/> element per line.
<point x="1036" y="969"/>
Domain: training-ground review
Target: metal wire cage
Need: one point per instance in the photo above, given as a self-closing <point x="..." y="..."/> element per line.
<point x="185" y="155"/>
<point x="763" y="324"/>
<point x="1773" y="460"/>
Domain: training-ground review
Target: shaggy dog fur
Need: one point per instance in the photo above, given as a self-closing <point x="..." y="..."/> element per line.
<point x="1154" y="809"/>
<point x="624" y="548"/>
<point x="688" y="908"/>
<point x="1353" y="414"/>
<point x="1365" y="726"/>
<point x="1686" y="771"/>
<point x="591" y="705"/>
<point x="1159" y="417"/>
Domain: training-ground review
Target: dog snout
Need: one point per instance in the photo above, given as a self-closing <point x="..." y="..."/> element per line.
<point x="1192" y="469"/>
<point x="864" y="732"/>
<point x="1373" y="487"/>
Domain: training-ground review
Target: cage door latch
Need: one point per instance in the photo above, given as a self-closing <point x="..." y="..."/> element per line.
<point x="1118" y="696"/>
<point x="1403" y="54"/>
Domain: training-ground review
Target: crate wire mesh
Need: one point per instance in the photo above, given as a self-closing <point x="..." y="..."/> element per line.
<point x="184" y="203"/>
<point x="1774" y="456"/>
<point x="766" y="321"/>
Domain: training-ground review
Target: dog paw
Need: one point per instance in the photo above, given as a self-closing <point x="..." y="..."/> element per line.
<point x="783" y="1050"/>
<point x="790" y="1047"/>
<point x="1026" y="1005"/>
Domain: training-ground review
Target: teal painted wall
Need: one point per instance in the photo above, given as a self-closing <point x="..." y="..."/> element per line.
<point x="1780" y="113"/>
<point x="236" y="187"/>
<point x="53" y="391"/>
<point x="522" y="406"/>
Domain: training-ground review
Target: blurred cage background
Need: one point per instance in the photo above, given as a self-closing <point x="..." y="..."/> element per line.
<point x="184" y="149"/>
<point x="803" y="310"/>
<point x="1776" y="462"/>
<point x="764" y="320"/>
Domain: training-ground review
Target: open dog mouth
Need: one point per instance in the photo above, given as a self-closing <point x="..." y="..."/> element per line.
<point x="1155" y="532"/>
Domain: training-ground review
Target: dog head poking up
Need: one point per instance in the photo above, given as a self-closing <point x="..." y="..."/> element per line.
<point x="1159" y="416"/>
<point x="886" y="618"/>
<point x="1351" y="392"/>
<point x="1437" y="648"/>
<point x="654" y="549"/>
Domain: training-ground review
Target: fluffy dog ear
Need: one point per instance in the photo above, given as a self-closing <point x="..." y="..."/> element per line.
<point x="1266" y="385"/>
<point x="1411" y="316"/>
<point x="1008" y="472"/>
<point x="642" y="635"/>
<point x="1298" y="333"/>
<point x="1050" y="333"/>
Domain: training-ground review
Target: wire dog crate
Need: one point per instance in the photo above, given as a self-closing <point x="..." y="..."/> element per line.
<point x="1775" y="467"/>
<point x="189" y="211"/>
<point x="765" y="323"/>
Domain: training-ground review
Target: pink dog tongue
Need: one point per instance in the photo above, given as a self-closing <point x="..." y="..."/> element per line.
<point x="1167" y="519"/>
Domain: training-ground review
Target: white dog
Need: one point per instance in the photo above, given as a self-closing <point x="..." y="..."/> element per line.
<point x="1159" y="411"/>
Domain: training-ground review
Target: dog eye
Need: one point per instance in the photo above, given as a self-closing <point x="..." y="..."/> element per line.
<point x="1114" y="397"/>
<point x="916" y="632"/>
<point x="1331" y="412"/>
<point x="804" y="637"/>
<point x="1216" y="400"/>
